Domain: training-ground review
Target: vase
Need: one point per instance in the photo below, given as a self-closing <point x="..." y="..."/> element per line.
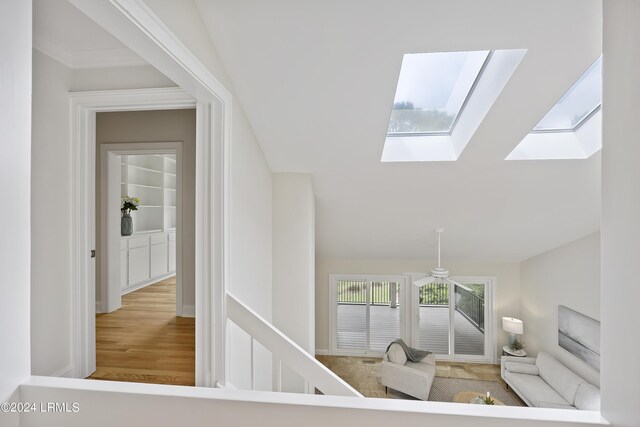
<point x="126" y="225"/>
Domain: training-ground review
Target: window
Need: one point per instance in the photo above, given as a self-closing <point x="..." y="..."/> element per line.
<point x="572" y="128"/>
<point x="454" y="322"/>
<point x="440" y="101"/>
<point x="577" y="105"/>
<point x="432" y="90"/>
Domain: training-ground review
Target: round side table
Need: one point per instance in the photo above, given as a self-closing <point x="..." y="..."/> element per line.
<point x="507" y="351"/>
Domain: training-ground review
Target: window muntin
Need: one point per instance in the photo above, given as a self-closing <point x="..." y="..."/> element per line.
<point x="432" y="91"/>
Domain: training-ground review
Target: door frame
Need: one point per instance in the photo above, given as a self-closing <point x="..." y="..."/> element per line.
<point x="138" y="28"/>
<point x="109" y="251"/>
<point x="209" y="206"/>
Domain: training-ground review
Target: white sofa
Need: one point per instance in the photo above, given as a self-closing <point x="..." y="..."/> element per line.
<point x="545" y="382"/>
<point x="411" y="378"/>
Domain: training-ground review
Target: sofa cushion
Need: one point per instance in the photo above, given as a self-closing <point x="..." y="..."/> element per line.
<point x="558" y="376"/>
<point x="534" y="389"/>
<point x="521" y="368"/>
<point x="588" y="397"/>
<point x="396" y="354"/>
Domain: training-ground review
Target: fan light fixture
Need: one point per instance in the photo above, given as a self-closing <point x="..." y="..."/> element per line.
<point x="438" y="274"/>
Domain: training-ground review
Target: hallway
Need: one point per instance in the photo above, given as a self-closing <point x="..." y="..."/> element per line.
<point x="144" y="341"/>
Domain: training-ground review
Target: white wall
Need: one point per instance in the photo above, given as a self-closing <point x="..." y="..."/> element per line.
<point x="294" y="264"/>
<point x="620" y="231"/>
<point x="15" y="167"/>
<point x="157" y="126"/>
<point x="507" y="298"/>
<point x="569" y="276"/>
<point x="50" y="213"/>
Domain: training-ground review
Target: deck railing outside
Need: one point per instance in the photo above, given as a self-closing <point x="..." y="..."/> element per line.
<point x="470" y="306"/>
<point x="468" y="303"/>
<point x="355" y="292"/>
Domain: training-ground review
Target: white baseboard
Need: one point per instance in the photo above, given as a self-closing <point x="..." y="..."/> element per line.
<point x="188" y="311"/>
<point x="322" y="352"/>
<point x="64" y="372"/>
<point x="98" y="306"/>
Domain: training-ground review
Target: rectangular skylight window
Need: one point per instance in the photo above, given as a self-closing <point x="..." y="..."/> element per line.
<point x="577" y="105"/>
<point x="432" y="91"/>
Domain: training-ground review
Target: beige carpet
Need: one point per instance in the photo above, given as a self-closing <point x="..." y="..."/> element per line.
<point x="445" y="389"/>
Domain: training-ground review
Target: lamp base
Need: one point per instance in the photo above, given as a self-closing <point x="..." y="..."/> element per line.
<point x="512" y="340"/>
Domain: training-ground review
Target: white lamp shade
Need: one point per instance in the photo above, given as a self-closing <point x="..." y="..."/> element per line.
<point x="511" y="325"/>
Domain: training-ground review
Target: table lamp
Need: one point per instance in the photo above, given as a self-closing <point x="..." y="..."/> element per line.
<point x="514" y="327"/>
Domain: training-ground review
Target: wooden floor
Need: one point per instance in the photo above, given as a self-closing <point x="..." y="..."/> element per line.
<point x="385" y="327"/>
<point x="144" y="341"/>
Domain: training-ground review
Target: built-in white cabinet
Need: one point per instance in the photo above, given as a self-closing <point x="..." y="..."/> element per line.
<point x="146" y="258"/>
<point x="149" y="254"/>
<point x="152" y="179"/>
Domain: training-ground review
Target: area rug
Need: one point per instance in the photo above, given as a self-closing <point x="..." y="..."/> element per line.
<point x="445" y="389"/>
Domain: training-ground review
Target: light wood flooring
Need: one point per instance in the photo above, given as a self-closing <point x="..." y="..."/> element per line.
<point x="144" y="341"/>
<point x="362" y="373"/>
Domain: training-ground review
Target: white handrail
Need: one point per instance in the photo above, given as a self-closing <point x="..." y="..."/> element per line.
<point x="286" y="350"/>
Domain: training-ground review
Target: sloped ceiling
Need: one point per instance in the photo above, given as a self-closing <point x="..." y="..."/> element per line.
<point x="317" y="81"/>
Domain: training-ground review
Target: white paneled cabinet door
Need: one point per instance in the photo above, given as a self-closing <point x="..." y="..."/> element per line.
<point x="158" y="259"/>
<point x="138" y="264"/>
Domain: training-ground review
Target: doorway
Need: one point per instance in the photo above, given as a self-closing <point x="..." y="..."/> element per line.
<point x="140" y="215"/>
<point x="145" y="281"/>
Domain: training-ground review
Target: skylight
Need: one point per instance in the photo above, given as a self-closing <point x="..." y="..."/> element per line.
<point x="441" y="99"/>
<point x="577" y="105"/>
<point x="432" y="90"/>
<point x="572" y="128"/>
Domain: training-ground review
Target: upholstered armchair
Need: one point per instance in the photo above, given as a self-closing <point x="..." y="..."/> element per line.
<point x="412" y="378"/>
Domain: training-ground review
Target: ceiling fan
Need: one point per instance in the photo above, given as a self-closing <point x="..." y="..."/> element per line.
<point x="438" y="274"/>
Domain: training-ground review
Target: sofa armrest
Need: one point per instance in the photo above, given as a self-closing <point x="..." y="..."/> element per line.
<point x="429" y="359"/>
<point x="503" y="359"/>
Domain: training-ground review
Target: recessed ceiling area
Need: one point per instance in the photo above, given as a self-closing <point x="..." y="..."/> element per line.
<point x="317" y="90"/>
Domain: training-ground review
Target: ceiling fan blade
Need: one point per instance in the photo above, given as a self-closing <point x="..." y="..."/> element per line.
<point x="424" y="281"/>
<point x="458" y="284"/>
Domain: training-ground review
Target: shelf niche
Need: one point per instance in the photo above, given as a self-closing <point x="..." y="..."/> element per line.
<point x="152" y="179"/>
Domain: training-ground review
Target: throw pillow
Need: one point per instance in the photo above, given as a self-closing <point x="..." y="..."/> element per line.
<point x="396" y="354"/>
<point x="521" y="368"/>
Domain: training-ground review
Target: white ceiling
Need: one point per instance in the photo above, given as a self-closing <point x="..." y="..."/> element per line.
<point x="317" y="82"/>
<point x="69" y="36"/>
